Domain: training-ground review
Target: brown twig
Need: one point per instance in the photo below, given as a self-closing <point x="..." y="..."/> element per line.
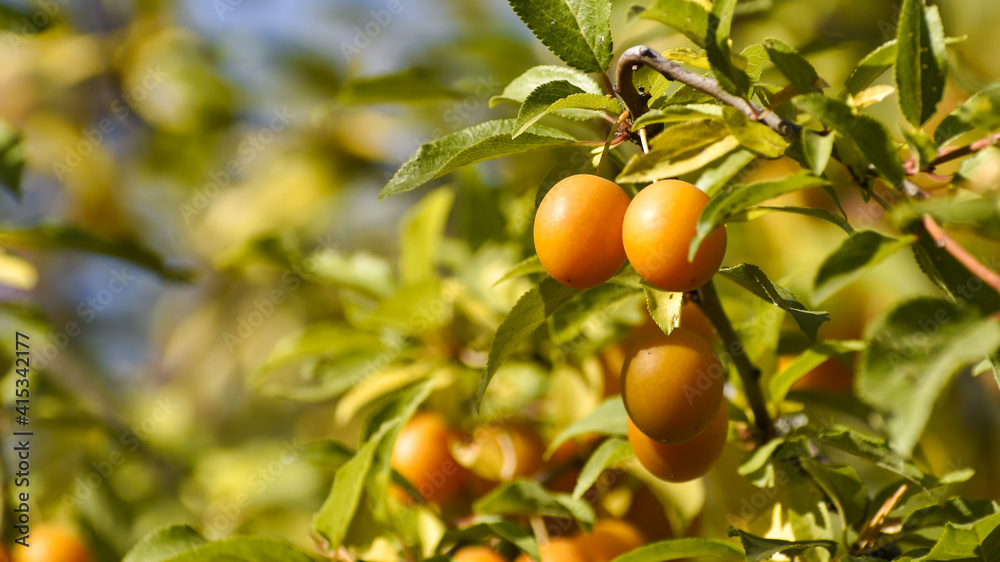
<point x="641" y="55"/>
<point x="868" y="534"/>
<point x="970" y="262"/>
<point x="615" y="127"/>
<point x="708" y="300"/>
<point x="949" y="154"/>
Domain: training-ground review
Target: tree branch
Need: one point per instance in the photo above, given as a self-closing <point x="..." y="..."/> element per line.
<point x="641" y="55"/>
<point x="708" y="300"/>
<point x="970" y="262"/>
<point x="947" y="155"/>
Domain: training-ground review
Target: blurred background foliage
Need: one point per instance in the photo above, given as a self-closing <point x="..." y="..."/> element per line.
<point x="244" y="142"/>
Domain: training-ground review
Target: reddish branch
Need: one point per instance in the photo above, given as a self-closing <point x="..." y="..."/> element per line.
<point x="949" y="154"/>
<point x="977" y="268"/>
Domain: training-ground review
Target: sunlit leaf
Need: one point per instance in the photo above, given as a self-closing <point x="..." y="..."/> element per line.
<point x="521" y="87"/>
<point x="680" y="149"/>
<point x="606" y="455"/>
<point x="724" y="205"/>
<point x="958" y="511"/>
<point x="484" y="141"/>
<point x="689" y="17"/>
<point x="975" y="541"/>
<point x="608" y="419"/>
<point x="753" y="135"/>
<point x="560" y="95"/>
<point x="664" y="307"/>
<point x="421" y="234"/>
<point x="576" y="31"/>
<point x="530" y="312"/>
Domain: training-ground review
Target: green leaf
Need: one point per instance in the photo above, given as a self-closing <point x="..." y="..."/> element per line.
<point x="664" y="307"/>
<point x="800" y="73"/>
<point x="867" y="133"/>
<point x="689" y="17"/>
<point x="688" y="547"/>
<point x="856" y="255"/>
<point x="982" y="110"/>
<point x="680" y="149"/>
<point x="394" y="414"/>
<point x="959" y="511"/>
<point x="576" y="31"/>
<point x="872" y="66"/>
<point x="244" y="549"/>
<point x="725" y="205"/>
<point x="561" y="95"/>
<point x="875" y="450"/>
<point x="753" y="213"/>
<point x="526" y="266"/>
<point x="759" y="548"/>
<point x="753" y="135"/>
<point x="751" y="278"/>
<point x="521" y="87"/>
<point x="484" y="141"/>
<point x="362" y="271"/>
<point x="527" y="497"/>
<point x="914" y="351"/>
<point x="921" y="61"/>
<point x="527" y="314"/>
<point x="54" y="237"/>
<point x="976" y="541"/>
<point x="11" y="159"/>
<point x="334" y="517"/>
<point x="712" y="180"/>
<point x="421" y="234"/>
<point x="952" y="277"/>
<point x="921" y="146"/>
<point x="815" y="355"/>
<point x="410" y="86"/>
<point x="980" y="213"/>
<point x="758" y="467"/>
<point x="608" y="454"/>
<point x="164" y="544"/>
<point x="817" y="147"/>
<point x="732" y="78"/>
<point x="607" y="419"/>
<point x="844" y="487"/>
<point x="675" y="113"/>
<point x="756" y="56"/>
<point x="565" y="323"/>
<point x="329" y="341"/>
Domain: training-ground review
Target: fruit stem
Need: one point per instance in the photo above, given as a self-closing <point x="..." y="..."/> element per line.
<point x="708" y="300"/>
<point x="640" y="55"/>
